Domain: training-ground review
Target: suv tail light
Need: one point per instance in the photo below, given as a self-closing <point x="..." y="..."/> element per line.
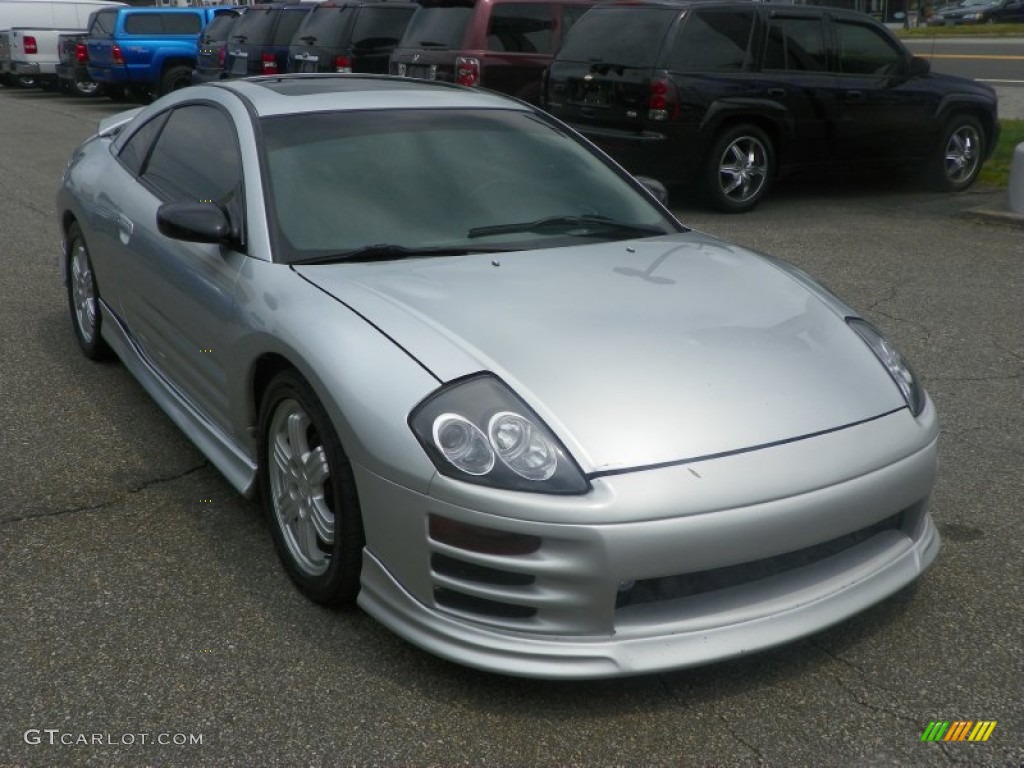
<point x="467" y="70"/>
<point x="81" y="53"/>
<point x="342" y="64"/>
<point x="116" y="54"/>
<point x="269" y="64"/>
<point x="222" y="58"/>
<point x="30" y="44"/>
<point x="663" y="100"/>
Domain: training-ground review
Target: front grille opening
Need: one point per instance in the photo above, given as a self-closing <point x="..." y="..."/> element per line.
<point x="459" y="569"/>
<point x="699" y="582"/>
<point x="459" y="601"/>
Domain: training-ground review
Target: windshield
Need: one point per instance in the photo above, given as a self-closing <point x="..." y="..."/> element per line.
<point x="429" y="180"/>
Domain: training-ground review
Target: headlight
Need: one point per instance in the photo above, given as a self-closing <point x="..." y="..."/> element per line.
<point x="897" y="366"/>
<point x="477" y="430"/>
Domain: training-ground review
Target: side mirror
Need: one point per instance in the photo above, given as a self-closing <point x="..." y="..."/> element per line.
<point x="655" y="187"/>
<point x="919" y="67"/>
<point x="193" y="222"/>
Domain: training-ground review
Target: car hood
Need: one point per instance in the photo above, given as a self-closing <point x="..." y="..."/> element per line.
<point x="634" y="353"/>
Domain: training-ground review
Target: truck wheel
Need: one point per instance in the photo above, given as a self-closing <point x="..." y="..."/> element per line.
<point x="175" y="78"/>
<point x="86" y="87"/>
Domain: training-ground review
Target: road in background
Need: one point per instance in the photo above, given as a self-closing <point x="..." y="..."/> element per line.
<point x="142" y="600"/>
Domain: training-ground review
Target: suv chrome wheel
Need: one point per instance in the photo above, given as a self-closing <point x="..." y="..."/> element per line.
<point x="962" y="153"/>
<point x="739" y="169"/>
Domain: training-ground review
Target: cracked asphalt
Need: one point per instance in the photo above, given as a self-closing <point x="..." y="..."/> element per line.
<point x="141" y="599"/>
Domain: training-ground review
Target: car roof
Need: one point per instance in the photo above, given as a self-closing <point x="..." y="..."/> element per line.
<point x="303" y="93"/>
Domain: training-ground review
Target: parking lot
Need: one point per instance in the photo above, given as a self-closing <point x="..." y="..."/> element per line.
<point x="144" y="618"/>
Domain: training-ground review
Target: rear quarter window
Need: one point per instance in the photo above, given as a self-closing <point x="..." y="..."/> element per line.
<point x="628" y="37"/>
<point x="713" y="41"/>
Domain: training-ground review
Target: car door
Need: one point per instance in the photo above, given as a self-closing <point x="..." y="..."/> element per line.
<point x="178" y="297"/>
<point x="883" y="111"/>
<point x="794" y="73"/>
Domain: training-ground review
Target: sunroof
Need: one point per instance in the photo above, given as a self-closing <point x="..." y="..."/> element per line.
<point x="307" y="86"/>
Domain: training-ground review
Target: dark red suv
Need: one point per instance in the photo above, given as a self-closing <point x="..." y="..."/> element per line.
<point x="504" y="45"/>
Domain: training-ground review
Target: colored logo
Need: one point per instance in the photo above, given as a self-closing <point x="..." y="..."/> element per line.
<point x="958" y="730"/>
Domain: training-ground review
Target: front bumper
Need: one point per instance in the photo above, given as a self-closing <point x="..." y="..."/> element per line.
<point x="745" y="564"/>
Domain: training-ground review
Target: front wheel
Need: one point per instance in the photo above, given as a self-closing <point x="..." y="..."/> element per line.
<point x="309" y="493"/>
<point x="84" y="297"/>
<point x="957" y="163"/>
<point x="738" y="169"/>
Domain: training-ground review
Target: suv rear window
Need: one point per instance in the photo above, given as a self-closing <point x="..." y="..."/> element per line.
<point x="324" y="23"/>
<point x="380" y="26"/>
<point x="218" y="29"/>
<point x="162" y="24"/>
<point x="254" y="26"/>
<point x="627" y="37"/>
<point x="520" y="28"/>
<point x="438" y="25"/>
<point x="713" y="41"/>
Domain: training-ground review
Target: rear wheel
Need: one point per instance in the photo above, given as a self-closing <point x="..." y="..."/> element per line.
<point x="957" y="163"/>
<point x="739" y="168"/>
<point x="309" y="493"/>
<point x="175" y="78"/>
<point x="86" y="87"/>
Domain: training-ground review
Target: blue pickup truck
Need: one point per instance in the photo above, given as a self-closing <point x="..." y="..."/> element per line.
<point x="145" y="52"/>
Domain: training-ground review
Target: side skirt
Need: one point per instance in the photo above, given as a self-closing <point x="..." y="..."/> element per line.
<point x="235" y="464"/>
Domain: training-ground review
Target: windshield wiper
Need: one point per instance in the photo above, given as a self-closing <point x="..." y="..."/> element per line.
<point x="585" y="226"/>
<point x="387" y="252"/>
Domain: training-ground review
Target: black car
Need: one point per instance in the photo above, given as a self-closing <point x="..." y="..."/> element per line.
<point x="211" y="58"/>
<point x="979" y="12"/>
<point x="351" y="36"/>
<point x="727" y="95"/>
<point x="258" y="42"/>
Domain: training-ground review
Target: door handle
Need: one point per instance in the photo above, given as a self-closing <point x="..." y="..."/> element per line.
<point x="125" y="228"/>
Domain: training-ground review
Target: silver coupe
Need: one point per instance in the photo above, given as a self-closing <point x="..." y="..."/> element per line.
<point x="486" y="385"/>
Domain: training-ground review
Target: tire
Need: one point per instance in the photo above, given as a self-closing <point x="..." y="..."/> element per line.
<point x="116" y="92"/>
<point x="309" y="493"/>
<point x="84" y="298"/>
<point x="175" y="78"/>
<point x="739" y="168"/>
<point x="958" y="158"/>
<point x="85" y="87"/>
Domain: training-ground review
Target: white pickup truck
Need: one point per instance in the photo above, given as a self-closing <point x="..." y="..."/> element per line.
<point x="34" y="56"/>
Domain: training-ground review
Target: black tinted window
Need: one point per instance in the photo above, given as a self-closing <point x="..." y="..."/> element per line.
<point x="288" y="24"/>
<point x="628" y="37"/>
<point x="324" y="25"/>
<point x="438" y="26"/>
<point x="196" y="157"/>
<point x="377" y="26"/>
<point x="795" y="44"/>
<point x="162" y="24"/>
<point x="570" y="15"/>
<point x="863" y="50"/>
<point x="101" y="23"/>
<point x="713" y="41"/>
<point x="218" y="29"/>
<point x="136" y="149"/>
<point x="255" y="26"/>
<point x="520" y="28"/>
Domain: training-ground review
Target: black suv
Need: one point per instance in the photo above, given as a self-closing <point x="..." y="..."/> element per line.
<point x="258" y="42"/>
<point x="211" y="60"/>
<point x="726" y="95"/>
<point x="352" y="36"/>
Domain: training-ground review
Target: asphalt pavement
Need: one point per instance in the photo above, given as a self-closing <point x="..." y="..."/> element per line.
<point x="144" y="619"/>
